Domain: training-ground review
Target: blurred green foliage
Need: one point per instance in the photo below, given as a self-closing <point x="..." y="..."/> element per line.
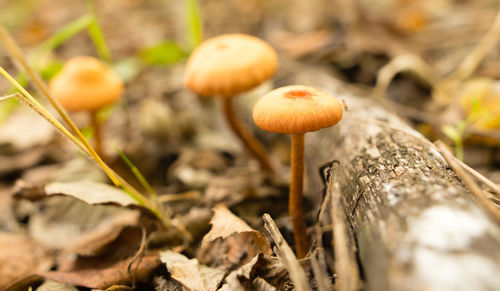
<point x="456" y="132"/>
<point x="194" y="23"/>
<point x="163" y="53"/>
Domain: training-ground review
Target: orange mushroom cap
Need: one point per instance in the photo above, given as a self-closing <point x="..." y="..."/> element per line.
<point x="230" y="64"/>
<point x="85" y="83"/>
<point x="296" y="109"/>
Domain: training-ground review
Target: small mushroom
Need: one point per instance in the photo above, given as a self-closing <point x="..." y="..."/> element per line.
<point x="86" y="84"/>
<point x="296" y="110"/>
<point x="227" y="65"/>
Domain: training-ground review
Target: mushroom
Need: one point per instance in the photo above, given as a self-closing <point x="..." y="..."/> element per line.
<point x="296" y="110"/>
<point x="227" y="65"/>
<point x="86" y="84"/>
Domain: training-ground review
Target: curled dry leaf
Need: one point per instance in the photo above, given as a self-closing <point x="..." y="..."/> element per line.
<point x="20" y="257"/>
<point x="190" y="273"/>
<point x="231" y="242"/>
<point x="95" y="241"/>
<point x="261" y="273"/>
<point x="91" y="192"/>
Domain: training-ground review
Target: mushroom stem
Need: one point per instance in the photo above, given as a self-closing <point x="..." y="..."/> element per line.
<point x="295" y="202"/>
<point x="251" y="144"/>
<point x="96" y="126"/>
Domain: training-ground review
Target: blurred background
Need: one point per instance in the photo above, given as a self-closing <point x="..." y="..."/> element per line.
<point x="435" y="62"/>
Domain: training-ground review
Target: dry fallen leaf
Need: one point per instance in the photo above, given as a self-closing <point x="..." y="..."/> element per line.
<point x="190" y="273"/>
<point x="239" y="184"/>
<point x="95" y="241"/>
<point x="231" y="242"/>
<point x="23" y="130"/>
<point x="20" y="257"/>
<point x="102" y="278"/>
<point x="8" y="221"/>
<point x="50" y="285"/>
<point x="64" y="221"/>
<point x="91" y="192"/>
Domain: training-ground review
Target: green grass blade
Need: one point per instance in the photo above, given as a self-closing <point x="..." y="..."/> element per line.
<point x="99" y="41"/>
<point x="138" y="175"/>
<point x="97" y="35"/>
<point x="62" y="35"/>
<point x="194" y="23"/>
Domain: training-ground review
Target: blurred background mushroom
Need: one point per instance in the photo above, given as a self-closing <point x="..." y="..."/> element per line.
<point x="86" y="84"/>
<point x="226" y="66"/>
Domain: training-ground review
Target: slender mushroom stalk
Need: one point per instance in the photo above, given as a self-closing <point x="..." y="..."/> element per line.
<point x="86" y="84"/>
<point x="295" y="199"/>
<point x="253" y="146"/>
<point x="296" y="110"/>
<point x="227" y="65"/>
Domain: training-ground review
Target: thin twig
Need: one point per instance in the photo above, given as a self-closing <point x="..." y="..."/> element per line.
<point x="137" y="257"/>
<point x="189" y="195"/>
<point x="468" y="181"/>
<point x="472" y="60"/>
<point x="410" y="63"/>
<point x="6" y="97"/>
<point x="493" y="187"/>
<point x="285" y="253"/>
<point x="319" y="265"/>
<point x="323" y="284"/>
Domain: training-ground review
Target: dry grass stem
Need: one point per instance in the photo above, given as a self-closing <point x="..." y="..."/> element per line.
<point x="285" y="253"/>
<point x="410" y="63"/>
<point x="468" y="181"/>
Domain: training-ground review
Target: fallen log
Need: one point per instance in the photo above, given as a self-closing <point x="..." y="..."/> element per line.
<point x="415" y="226"/>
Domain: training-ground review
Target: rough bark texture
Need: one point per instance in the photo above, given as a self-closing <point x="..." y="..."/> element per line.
<point x="415" y="225"/>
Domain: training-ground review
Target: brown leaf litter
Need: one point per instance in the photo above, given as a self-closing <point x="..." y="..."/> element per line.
<point x="100" y="278"/>
<point x="231" y="242"/>
<point x="20" y="257"/>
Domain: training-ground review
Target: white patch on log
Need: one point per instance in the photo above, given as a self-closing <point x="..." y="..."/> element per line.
<point x="446" y="228"/>
<point x="441" y="259"/>
<point x="441" y="271"/>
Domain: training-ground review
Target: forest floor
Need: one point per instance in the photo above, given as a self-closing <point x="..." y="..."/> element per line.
<point x="62" y="226"/>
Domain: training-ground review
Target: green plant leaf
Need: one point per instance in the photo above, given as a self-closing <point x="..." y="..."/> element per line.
<point x="163" y="53"/>
<point x="51" y="69"/>
<point x="451" y="132"/>
<point x="128" y="68"/>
